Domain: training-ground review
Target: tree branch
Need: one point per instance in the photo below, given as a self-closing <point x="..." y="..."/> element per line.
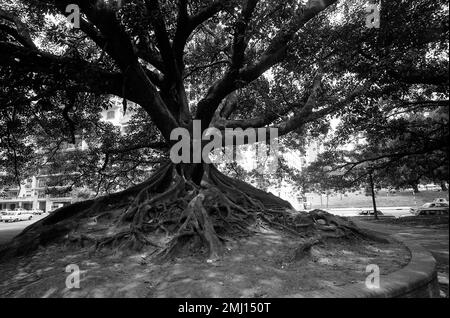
<point x="66" y="72"/>
<point x="162" y="38"/>
<point x="301" y="118"/>
<point x="21" y="32"/>
<point x="206" y="13"/>
<point x="158" y="145"/>
<point x="279" y="44"/>
<point x="273" y="55"/>
<point x="202" y="67"/>
<point x="240" y="40"/>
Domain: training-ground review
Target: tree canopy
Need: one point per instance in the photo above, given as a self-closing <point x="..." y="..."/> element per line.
<point x="246" y="64"/>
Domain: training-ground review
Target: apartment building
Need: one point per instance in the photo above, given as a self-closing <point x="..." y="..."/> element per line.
<point x="45" y="191"/>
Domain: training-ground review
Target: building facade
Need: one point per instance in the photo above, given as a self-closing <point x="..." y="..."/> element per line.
<point x="33" y="194"/>
<point x="43" y="191"/>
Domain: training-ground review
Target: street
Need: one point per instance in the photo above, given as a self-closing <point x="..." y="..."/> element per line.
<point x="392" y="211"/>
<point x="9" y="230"/>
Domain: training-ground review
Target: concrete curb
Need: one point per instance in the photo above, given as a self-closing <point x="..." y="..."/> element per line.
<point x="418" y="279"/>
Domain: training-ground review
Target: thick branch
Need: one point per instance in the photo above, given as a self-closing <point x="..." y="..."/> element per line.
<point x="20" y="33"/>
<point x="229" y="106"/>
<point x="300" y="118"/>
<point x="206" y="13"/>
<point x="162" y="38"/>
<point x="240" y="40"/>
<point x="65" y="71"/>
<point x="104" y="29"/>
<point x="278" y="46"/>
<point x="273" y="55"/>
<point x="304" y="116"/>
<point x="187" y="24"/>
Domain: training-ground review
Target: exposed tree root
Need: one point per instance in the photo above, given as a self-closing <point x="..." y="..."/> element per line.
<point x="172" y="214"/>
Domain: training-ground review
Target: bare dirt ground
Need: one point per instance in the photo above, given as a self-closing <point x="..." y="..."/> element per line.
<point x="260" y="266"/>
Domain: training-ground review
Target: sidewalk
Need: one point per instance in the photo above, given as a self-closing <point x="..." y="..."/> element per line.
<point x="435" y="240"/>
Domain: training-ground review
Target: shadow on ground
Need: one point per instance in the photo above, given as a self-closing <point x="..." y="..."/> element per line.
<point x="259" y="266"/>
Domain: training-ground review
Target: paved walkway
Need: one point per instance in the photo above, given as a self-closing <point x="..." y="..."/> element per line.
<point x="435" y="240"/>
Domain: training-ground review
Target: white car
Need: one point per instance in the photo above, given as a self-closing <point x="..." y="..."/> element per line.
<point x="14" y="216"/>
<point x="370" y="212"/>
<point x="440" y="200"/>
<point x="432" y="187"/>
<point x="37" y="211"/>
<point x="431" y="208"/>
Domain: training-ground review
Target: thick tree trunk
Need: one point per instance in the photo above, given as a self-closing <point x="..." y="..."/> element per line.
<point x="171" y="214"/>
<point x="415" y="187"/>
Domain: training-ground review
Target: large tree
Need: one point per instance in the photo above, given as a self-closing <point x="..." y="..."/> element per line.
<point x="229" y="64"/>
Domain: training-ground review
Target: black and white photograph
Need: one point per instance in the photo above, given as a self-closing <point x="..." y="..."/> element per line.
<point x="227" y="156"/>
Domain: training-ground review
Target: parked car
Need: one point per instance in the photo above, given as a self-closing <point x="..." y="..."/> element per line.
<point x="370" y="212"/>
<point x="432" y="187"/>
<point x="440" y="200"/>
<point x="422" y="187"/>
<point x="25" y="211"/>
<point x="431" y="208"/>
<point x="37" y="211"/>
<point x="17" y="215"/>
<point x="3" y="212"/>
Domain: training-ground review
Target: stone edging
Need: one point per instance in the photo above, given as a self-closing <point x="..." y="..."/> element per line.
<point x="418" y="279"/>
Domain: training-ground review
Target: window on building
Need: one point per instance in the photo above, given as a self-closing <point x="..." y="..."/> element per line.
<point x="42" y="183"/>
<point x="111" y="114"/>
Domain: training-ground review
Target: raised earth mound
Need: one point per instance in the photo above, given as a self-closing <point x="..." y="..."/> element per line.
<point x="220" y="229"/>
<point x="266" y="264"/>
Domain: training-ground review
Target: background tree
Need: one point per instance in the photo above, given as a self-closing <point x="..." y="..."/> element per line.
<point x="412" y="149"/>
